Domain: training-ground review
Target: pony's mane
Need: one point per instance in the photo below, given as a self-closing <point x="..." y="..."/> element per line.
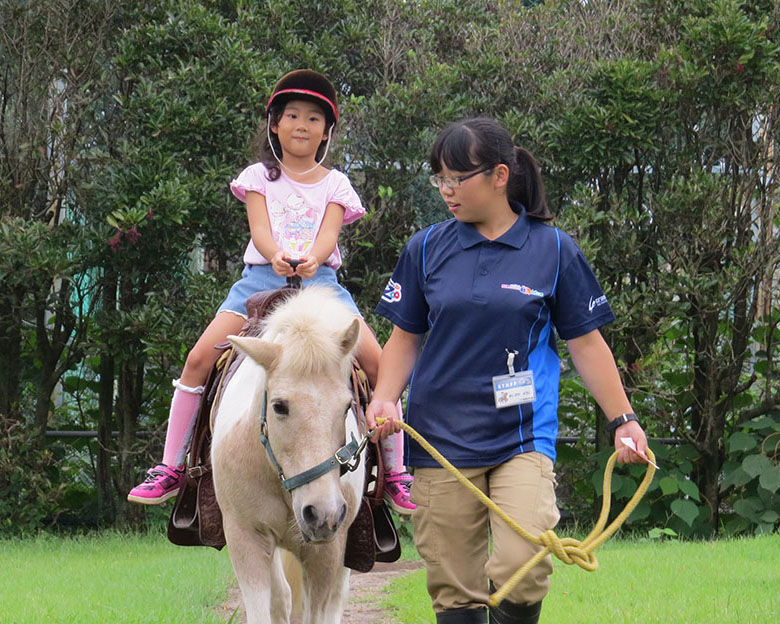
<point x="309" y="326"/>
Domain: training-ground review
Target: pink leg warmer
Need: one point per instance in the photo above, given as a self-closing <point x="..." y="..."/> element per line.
<point x="393" y="449"/>
<point x="184" y="407"/>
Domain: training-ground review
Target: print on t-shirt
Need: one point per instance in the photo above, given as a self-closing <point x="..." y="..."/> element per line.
<point x="293" y="225"/>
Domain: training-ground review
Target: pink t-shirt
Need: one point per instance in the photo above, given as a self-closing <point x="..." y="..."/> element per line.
<point x="295" y="210"/>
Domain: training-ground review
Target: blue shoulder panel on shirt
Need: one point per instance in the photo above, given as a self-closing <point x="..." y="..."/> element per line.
<point x="558" y="270"/>
<point x="425" y="243"/>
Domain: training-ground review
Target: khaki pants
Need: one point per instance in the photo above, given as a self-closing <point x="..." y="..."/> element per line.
<point x="452" y="530"/>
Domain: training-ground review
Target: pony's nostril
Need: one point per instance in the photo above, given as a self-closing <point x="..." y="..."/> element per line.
<point x="342" y="514"/>
<point x="309" y="513"/>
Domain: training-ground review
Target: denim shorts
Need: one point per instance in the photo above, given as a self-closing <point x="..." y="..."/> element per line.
<point x="257" y="277"/>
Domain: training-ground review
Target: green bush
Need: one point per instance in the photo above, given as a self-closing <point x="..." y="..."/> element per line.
<point x="29" y="489"/>
<point x="752" y="477"/>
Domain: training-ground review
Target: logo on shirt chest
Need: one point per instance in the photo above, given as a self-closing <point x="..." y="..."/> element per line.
<point x="522" y="289"/>
<point x="392" y="293"/>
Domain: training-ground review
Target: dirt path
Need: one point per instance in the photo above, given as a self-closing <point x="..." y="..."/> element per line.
<point x="365" y="595"/>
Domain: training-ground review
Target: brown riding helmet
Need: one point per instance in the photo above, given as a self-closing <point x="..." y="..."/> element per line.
<point x="306" y="84"/>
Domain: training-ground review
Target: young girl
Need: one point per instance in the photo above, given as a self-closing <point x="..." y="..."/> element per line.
<point x="296" y="208"/>
<point x="490" y="288"/>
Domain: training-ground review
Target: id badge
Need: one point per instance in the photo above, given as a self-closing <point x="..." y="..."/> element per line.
<point x="514" y="389"/>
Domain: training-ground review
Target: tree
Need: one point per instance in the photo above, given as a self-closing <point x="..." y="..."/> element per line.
<point x="51" y="79"/>
<point x="657" y="125"/>
<point x="186" y="101"/>
<point x="51" y="59"/>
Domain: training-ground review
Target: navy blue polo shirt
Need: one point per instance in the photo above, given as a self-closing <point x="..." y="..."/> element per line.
<point x="475" y="298"/>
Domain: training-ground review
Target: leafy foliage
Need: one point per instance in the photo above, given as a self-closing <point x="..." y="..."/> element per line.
<point x="30" y="490"/>
<point x="752" y="476"/>
<point x="655" y="123"/>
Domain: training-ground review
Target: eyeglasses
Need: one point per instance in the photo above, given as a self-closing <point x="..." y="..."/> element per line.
<point x="456" y="181"/>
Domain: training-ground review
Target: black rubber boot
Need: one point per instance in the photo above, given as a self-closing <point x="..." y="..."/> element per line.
<point x="462" y="616"/>
<point x="512" y="613"/>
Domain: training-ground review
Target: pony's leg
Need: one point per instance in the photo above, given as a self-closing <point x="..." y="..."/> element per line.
<point x="325" y="582"/>
<point x="252" y="556"/>
<point x="293" y="574"/>
<point x="281" y="594"/>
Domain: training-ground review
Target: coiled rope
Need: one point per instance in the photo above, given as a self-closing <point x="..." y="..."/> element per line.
<point x="568" y="549"/>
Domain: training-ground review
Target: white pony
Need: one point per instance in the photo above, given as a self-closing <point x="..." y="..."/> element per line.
<point x="300" y="370"/>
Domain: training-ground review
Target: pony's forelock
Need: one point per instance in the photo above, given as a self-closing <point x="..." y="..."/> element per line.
<point x="308" y="325"/>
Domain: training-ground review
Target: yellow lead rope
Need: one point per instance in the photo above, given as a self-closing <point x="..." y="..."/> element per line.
<point x="568" y="549"/>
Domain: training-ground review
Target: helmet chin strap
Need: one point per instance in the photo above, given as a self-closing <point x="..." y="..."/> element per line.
<point x="279" y="160"/>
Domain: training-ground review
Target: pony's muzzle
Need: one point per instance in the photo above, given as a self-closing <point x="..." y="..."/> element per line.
<point x="319" y="526"/>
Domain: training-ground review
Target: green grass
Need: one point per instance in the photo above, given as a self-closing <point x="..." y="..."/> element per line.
<point x="105" y="579"/>
<point x="724" y="582"/>
<point x="110" y="579"/>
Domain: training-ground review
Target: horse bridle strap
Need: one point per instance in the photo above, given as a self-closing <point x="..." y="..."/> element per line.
<point x="347" y="458"/>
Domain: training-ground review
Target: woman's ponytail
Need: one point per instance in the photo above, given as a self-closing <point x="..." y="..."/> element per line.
<point x="526" y="185"/>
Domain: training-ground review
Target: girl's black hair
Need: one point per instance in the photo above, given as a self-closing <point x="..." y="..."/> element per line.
<point x="267" y="157"/>
<point x="482" y="142"/>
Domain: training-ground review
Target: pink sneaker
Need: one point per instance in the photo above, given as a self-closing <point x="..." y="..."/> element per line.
<point x="162" y="483"/>
<point x="397" y="486"/>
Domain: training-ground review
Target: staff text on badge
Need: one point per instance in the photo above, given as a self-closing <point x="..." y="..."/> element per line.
<point x="514" y="389"/>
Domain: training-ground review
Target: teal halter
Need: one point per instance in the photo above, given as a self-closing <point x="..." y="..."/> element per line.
<point x="347" y="458"/>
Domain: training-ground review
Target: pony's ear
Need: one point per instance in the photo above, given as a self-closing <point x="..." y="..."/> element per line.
<point x="261" y="351"/>
<point x="350" y="337"/>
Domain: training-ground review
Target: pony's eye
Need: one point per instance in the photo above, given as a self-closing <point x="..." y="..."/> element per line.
<point x="280" y="407"/>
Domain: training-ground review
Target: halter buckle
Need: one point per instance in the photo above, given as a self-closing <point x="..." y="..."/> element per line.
<point x="350" y="460"/>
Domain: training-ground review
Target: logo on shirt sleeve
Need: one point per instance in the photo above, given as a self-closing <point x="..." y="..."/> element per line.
<point x="392" y="292"/>
<point x="594" y="303"/>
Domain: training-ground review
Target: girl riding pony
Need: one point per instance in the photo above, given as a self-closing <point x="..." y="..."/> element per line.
<point x="296" y="208"/>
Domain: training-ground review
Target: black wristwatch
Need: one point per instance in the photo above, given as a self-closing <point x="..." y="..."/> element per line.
<point x="620" y="420"/>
